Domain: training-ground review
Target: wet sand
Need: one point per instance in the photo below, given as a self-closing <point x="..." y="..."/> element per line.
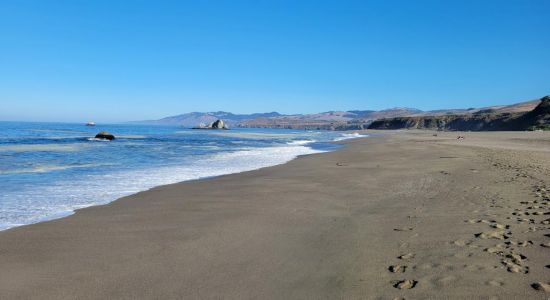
<point x="407" y="215"/>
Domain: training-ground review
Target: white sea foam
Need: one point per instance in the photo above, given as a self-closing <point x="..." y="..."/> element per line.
<point x="254" y="135"/>
<point x="58" y="199"/>
<point x="55" y="130"/>
<point x="131" y="136"/>
<point x="301" y="142"/>
<point x="49" y="168"/>
<point x="42" y="147"/>
<point x="347" y="136"/>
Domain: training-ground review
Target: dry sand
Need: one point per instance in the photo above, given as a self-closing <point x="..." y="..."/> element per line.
<point x="407" y="215"/>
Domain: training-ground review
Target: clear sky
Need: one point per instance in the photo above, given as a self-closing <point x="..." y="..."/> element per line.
<point x="132" y="60"/>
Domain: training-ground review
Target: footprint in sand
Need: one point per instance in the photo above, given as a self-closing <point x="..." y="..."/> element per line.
<point x="397" y="269"/>
<point x="499" y="226"/>
<point x="541" y="286"/>
<point x="496" y="234"/>
<point x="523" y="220"/>
<point x="515" y="268"/>
<point x="405" y="284"/>
<point x="495" y="283"/>
<point x="474" y="268"/>
<point x="495" y="250"/>
<point x="462" y="243"/>
<point x="516" y="258"/>
<point x="427" y="266"/>
<point x="525" y="243"/>
<point x="403" y="229"/>
<point x="474" y="221"/>
<point x="463" y="255"/>
<point x="404" y="245"/>
<point x="519" y="244"/>
<point x="532" y="229"/>
<point x="445" y="281"/>
<point x="406" y="256"/>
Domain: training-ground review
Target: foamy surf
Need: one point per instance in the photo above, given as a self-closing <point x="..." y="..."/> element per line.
<point x="301" y="142"/>
<point x="42" y="180"/>
<point x="347" y="136"/>
<point x="62" y="198"/>
<point x="49" y="168"/>
<point x="42" y="148"/>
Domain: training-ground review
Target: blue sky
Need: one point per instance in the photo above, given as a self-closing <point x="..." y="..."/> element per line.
<point x="131" y="60"/>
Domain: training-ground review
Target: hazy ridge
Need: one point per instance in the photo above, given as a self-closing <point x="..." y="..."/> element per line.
<point x="338" y="120"/>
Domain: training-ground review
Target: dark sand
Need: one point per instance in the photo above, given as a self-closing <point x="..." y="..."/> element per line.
<point x="464" y="219"/>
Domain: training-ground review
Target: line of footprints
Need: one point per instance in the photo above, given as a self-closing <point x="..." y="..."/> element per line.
<point x="535" y="214"/>
<point x="402" y="283"/>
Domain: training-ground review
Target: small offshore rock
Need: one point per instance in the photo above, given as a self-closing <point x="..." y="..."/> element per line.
<point x="105" y="136"/>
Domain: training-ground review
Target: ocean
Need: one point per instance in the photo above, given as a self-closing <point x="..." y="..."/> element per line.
<point x="47" y="170"/>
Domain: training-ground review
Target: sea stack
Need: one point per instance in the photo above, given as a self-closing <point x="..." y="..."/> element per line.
<point x="218" y="124"/>
<point x="105" y="136"/>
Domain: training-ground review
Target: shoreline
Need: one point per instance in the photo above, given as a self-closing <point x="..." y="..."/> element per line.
<point x="66" y="213"/>
<point x="327" y="225"/>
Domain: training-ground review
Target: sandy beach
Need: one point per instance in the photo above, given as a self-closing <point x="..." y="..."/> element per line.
<point x="399" y="215"/>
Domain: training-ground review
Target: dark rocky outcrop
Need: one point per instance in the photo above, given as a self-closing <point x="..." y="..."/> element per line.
<point x="105" y="136"/>
<point x="538" y="118"/>
<point x="218" y="124"/>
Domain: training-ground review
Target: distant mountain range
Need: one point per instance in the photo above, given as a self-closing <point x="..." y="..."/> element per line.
<point x="196" y="118"/>
<point x="332" y="120"/>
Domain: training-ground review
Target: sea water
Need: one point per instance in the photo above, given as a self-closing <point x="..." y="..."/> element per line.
<point x="47" y="170"/>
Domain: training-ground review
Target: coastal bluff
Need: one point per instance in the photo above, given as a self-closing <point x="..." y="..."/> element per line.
<point x="485" y="120"/>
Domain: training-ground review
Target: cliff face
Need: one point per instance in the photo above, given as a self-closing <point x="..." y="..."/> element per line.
<point x="450" y="122"/>
<point x="538" y="118"/>
<point x="309" y="125"/>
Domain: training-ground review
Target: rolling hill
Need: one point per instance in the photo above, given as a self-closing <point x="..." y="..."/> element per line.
<point x="399" y="117"/>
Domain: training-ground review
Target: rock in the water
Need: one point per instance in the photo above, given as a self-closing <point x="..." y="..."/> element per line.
<point x="218" y="124"/>
<point x="105" y="135"/>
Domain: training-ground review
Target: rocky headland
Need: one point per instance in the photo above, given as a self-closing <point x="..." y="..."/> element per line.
<point x="483" y="120"/>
